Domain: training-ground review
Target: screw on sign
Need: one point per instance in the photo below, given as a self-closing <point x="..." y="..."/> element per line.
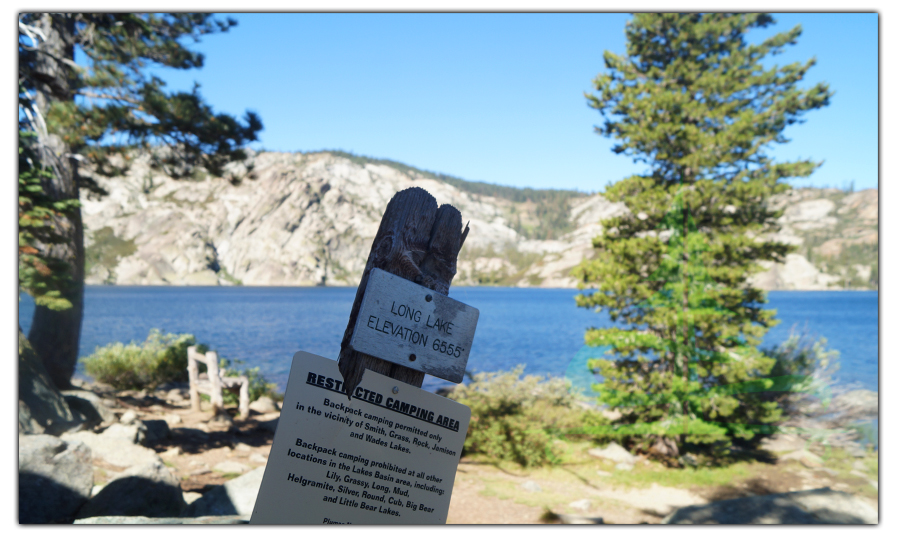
<point x="358" y="447"/>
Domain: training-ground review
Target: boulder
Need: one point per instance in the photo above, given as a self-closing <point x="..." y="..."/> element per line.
<point x="148" y="490"/>
<point x="264" y="405"/>
<point x="55" y="478"/>
<point x="235" y="497"/>
<point x="810" y="460"/>
<point x="42" y="408"/>
<point x="818" y="506"/>
<point x="89" y="408"/>
<point x="115" y="450"/>
<point x="614" y="452"/>
<point x="157" y="431"/>
<point x="135" y="433"/>
<point x="231" y="467"/>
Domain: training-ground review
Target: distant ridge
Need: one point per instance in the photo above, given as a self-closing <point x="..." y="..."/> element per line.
<point x="309" y="219"/>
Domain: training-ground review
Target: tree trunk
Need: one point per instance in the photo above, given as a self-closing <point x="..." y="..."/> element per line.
<point x="419" y="242"/>
<point x="55" y="335"/>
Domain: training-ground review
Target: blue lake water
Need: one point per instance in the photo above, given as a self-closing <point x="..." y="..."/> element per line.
<point x="541" y="328"/>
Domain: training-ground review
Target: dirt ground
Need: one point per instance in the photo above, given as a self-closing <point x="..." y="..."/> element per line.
<point x="586" y="488"/>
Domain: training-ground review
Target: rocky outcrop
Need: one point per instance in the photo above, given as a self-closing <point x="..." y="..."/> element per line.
<point x="115" y="449"/>
<point x="55" y="478"/>
<point x="147" y="490"/>
<point x="309" y="219"/>
<point x="235" y="497"/>
<point x="42" y="408"/>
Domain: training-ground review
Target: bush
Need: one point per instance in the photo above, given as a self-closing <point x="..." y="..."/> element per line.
<point x="518" y="419"/>
<point x="159" y="359"/>
<point x="803" y="370"/>
<point x="259" y="385"/>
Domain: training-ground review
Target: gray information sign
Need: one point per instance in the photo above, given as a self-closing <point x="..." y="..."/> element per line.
<point x="388" y="456"/>
<point x="407" y="324"/>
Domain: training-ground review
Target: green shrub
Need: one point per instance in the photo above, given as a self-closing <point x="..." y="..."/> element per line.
<point x="159" y="359"/>
<point x="804" y="372"/>
<point x="517" y="418"/>
<point x="259" y="385"/>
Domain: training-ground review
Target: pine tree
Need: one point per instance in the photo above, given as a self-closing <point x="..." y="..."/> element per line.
<point x="692" y="100"/>
<point x="90" y="117"/>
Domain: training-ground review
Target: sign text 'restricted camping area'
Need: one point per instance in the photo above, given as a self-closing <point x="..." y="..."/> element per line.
<point x="407" y="324"/>
<point x="388" y="456"/>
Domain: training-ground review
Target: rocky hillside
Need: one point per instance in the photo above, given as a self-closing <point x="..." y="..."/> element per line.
<point x="309" y="219"/>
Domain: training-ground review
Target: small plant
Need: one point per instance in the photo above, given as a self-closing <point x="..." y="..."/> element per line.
<point x="259" y="385"/>
<point x="159" y="359"/>
<point x="517" y="418"/>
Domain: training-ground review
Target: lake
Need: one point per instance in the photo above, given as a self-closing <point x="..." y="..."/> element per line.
<point x="541" y="328"/>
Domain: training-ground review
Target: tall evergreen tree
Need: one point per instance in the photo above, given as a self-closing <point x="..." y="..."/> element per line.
<point x="89" y="117"/>
<point x="692" y="100"/>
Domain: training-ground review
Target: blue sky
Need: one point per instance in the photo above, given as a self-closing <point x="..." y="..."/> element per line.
<point x="499" y="97"/>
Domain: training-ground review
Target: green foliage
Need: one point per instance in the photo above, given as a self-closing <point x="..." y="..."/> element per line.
<point x="159" y="359"/>
<point x="119" y="105"/>
<point x="41" y="275"/>
<point x="803" y="371"/>
<point x="519" y="419"/>
<point x="259" y="385"/>
<point x="536" y="213"/>
<point x="692" y="100"/>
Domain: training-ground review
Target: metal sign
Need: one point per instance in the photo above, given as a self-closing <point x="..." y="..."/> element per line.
<point x="388" y="456"/>
<point x="407" y="324"/>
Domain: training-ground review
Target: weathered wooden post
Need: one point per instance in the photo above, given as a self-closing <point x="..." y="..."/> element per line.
<point x="194" y="377"/>
<point x="418" y="241"/>
<point x="215" y="383"/>
<point x="376" y="448"/>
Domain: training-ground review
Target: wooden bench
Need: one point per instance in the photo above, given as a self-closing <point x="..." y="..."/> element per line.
<point x="213" y="382"/>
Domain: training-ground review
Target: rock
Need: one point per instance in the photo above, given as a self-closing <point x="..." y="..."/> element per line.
<point x="257" y="458"/>
<point x="240" y="446"/>
<point x="191" y="497"/>
<point x="172" y="419"/>
<point x="114" y="450"/>
<point x="531" y="486"/>
<point x="175" y="395"/>
<point x="42" y="408"/>
<point x="625" y="467"/>
<point x="89" y="408"/>
<point x="55" y="478"/>
<point x="578" y="519"/>
<point x="613" y="452"/>
<point x="136" y="432"/>
<point x="264" y="405"/>
<point x="230" y="467"/>
<point x="129" y="417"/>
<point x="148" y="490"/>
<point x="581" y="505"/>
<point x="173" y="452"/>
<point x="235" y="497"/>
<point x="783" y="442"/>
<point x="818" y="506"/>
<point x="157" y="431"/>
<point x="810" y="460"/>
<point x="143" y="520"/>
